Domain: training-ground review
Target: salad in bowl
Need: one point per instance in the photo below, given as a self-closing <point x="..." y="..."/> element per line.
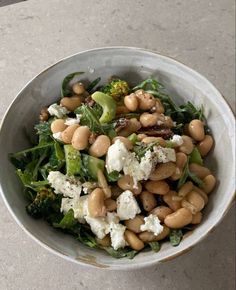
<point x="119" y="167"/>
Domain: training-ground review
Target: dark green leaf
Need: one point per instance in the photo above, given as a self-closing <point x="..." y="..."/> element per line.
<point x="175" y="237"/>
<point x="87" y="239"/>
<point x="155" y="246"/>
<point x="121" y="253"/>
<point x="66" y="90"/>
<point x="90" y="118"/>
<point x="184" y="176"/>
<point x="195" y="179"/>
<point x="93" y="84"/>
<point x="187" y="174"/>
<point x="67" y="222"/>
<point x="43" y="130"/>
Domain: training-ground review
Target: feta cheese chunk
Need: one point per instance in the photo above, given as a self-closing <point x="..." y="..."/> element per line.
<point x="142" y="170"/>
<point x="57" y="136"/>
<point x="58" y="111"/>
<point x="99" y="226"/>
<point x="164" y="155"/>
<point x="66" y="204"/>
<point x="80" y="208"/>
<point x="117" y="235"/>
<point x="112" y="217"/>
<point x="152" y="224"/>
<point x="177" y="140"/>
<point x="127" y="206"/>
<point x="68" y="186"/>
<point x="116" y="156"/>
<point x="73" y="121"/>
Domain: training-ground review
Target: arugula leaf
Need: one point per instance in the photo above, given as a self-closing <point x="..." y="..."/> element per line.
<point x="89" y="117"/>
<point x="121" y="253"/>
<point x="175" y="237"/>
<point x="93" y="84"/>
<point x="43" y="130"/>
<point x="184" y="176"/>
<point x="66" y="90"/>
<point x="148" y="84"/>
<point x="188" y="174"/>
<point x="155" y="246"/>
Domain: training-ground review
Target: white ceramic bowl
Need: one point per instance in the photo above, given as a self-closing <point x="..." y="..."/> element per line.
<point x="132" y="64"/>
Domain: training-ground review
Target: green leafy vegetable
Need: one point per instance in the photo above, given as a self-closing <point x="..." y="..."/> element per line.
<point x="148" y="84"/>
<point x="43" y="130"/>
<point x="67" y="222"/>
<point x="188" y="174"/>
<point x="89" y="118"/>
<point x="87" y="239"/>
<point x="121" y="253"/>
<point x="155" y="246"/>
<point x="113" y="176"/>
<point x="93" y="84"/>
<point x="175" y="237"/>
<point x="195" y="157"/>
<point x="66" y="90"/>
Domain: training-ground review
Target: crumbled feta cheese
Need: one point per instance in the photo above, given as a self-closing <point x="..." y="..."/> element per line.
<point x="164" y="154"/>
<point x="127" y="206"/>
<point x="117" y="235"/>
<point x="112" y="217"/>
<point x="68" y="186"/>
<point x="80" y="208"/>
<point x="89" y="186"/>
<point x="73" y="121"/>
<point x="57" y="136"/>
<point x="142" y="170"/>
<point x="99" y="226"/>
<point x="58" y="111"/>
<point x="177" y="140"/>
<point x="152" y="224"/>
<point x="116" y="156"/>
<point x="66" y="204"/>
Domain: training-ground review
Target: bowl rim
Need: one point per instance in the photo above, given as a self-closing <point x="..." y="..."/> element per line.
<point x="127" y="266"/>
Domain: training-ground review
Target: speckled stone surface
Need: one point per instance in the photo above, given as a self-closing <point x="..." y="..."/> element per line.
<point x="35" y="34"/>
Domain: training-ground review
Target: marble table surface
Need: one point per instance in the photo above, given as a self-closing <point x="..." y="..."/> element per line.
<point x="35" y="34"/>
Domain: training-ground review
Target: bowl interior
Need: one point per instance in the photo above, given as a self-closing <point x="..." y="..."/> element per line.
<point x="133" y="65"/>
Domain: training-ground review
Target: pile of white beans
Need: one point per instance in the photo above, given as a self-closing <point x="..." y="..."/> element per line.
<point x="180" y="207"/>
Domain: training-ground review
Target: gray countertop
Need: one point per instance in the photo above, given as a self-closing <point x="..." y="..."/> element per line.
<point x="35" y="34"/>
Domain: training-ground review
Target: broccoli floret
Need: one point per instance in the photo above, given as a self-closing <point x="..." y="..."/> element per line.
<point x="117" y="89"/>
<point x="42" y="204"/>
